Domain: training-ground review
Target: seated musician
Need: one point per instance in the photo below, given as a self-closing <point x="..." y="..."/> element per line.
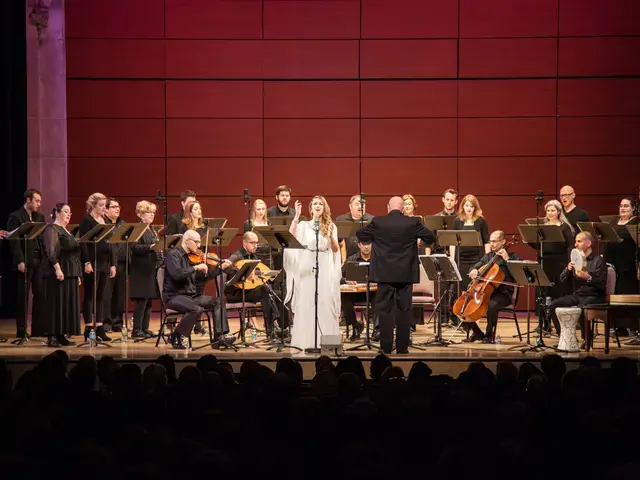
<point x="260" y="294"/>
<point x="589" y="286"/>
<point x="502" y="294"/>
<point x="180" y="292"/>
<point x="356" y="214"/>
<point x="349" y="298"/>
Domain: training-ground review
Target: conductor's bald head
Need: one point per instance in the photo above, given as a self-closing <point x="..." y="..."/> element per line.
<point x="191" y="241"/>
<point x="395" y="203"/>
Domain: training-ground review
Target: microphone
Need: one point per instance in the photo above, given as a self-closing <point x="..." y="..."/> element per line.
<point x="540" y="196"/>
<point x="316" y="223"/>
<point x="158" y="197"/>
<point x="362" y="198"/>
<point x="246" y="195"/>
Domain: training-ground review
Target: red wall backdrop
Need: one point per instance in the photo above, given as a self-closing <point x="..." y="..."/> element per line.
<point x="498" y="98"/>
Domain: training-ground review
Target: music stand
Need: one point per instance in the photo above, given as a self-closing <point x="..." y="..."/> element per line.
<point x="219" y="237"/>
<point x="25" y="232"/>
<point x="127" y="233"/>
<point x="535" y="220"/>
<point x="74" y="230"/>
<point x="241" y="277"/>
<point x="158" y="229"/>
<point x="95" y="236"/>
<point x="215" y="223"/>
<point x="439" y="222"/>
<point x="525" y="273"/>
<point x="609" y="218"/>
<point x="442" y="268"/>
<point x="280" y="239"/>
<point x="459" y="238"/>
<point x="600" y="231"/>
<point x="359" y="272"/>
<point x="280" y="221"/>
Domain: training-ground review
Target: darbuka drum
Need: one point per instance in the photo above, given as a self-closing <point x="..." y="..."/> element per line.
<point x="568" y="318"/>
<point x="579" y="260"/>
<point x="359" y="288"/>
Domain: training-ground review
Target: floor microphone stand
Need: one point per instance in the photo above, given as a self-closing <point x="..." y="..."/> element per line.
<point x="315" y="348"/>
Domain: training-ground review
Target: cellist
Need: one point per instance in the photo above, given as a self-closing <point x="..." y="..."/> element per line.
<point x="501" y="296"/>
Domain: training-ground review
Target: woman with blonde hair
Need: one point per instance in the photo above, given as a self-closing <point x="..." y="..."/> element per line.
<point x="258" y="218"/>
<point x="470" y="218"/>
<point x="192" y="218"/>
<point x="144" y="265"/>
<point x="320" y="237"/>
<point x="410" y="205"/>
<point x="98" y="266"/>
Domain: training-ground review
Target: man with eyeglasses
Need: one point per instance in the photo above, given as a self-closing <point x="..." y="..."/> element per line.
<point x="180" y="293"/>
<point x="502" y="295"/>
<point x="260" y="294"/>
<point x="116" y="288"/>
<point x="574" y="214"/>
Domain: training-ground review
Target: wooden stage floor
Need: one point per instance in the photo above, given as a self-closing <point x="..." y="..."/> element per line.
<point x="451" y="359"/>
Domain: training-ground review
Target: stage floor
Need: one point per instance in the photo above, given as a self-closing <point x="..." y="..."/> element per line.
<point x="450" y="359"/>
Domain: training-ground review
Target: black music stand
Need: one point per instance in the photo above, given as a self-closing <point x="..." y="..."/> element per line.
<point x="280" y="239"/>
<point x="281" y="221"/>
<point x="241" y="277"/>
<point x="609" y="218"/>
<point x="601" y="232"/>
<point x="459" y="238"/>
<point x="215" y="223"/>
<point x="158" y="229"/>
<point x="25" y="232"/>
<point x="442" y="268"/>
<point x="533" y="274"/>
<point x="525" y="274"/>
<point x="359" y="272"/>
<point x="439" y="222"/>
<point x="535" y="220"/>
<point x="127" y="233"/>
<point x="95" y="236"/>
<point x="74" y="230"/>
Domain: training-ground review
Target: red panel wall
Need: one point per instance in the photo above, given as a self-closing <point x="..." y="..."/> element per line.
<point x="499" y="98"/>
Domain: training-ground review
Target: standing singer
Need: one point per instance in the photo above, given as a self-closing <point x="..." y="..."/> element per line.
<point x="395" y="268"/>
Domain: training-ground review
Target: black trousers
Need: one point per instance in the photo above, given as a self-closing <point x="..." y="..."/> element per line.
<point x="141" y="313"/>
<point x="192" y="307"/>
<point x="571" y="301"/>
<point x="102" y="300"/>
<point x="34" y="285"/>
<point x="393" y="304"/>
<point x="496" y="302"/>
<point x="255" y="295"/>
<point x="116" y="293"/>
<point x="348" y="311"/>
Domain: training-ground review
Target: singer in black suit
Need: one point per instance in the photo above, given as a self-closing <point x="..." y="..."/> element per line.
<point x="395" y="268"/>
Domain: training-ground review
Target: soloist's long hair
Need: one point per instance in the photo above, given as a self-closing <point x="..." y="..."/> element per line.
<point x="325" y="218"/>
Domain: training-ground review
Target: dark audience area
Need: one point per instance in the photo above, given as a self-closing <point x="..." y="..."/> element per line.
<point x="100" y="419"/>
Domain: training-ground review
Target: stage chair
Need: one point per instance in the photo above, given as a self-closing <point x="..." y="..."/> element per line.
<point x="510" y="312"/>
<point x="612" y="277"/>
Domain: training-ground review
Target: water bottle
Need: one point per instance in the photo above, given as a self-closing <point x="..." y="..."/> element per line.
<point x="499" y="339"/>
<point x="125" y="334"/>
<point x="92" y="338"/>
<point x="254" y="334"/>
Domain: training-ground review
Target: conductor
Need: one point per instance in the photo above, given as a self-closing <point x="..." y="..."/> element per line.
<point x="395" y="268"/>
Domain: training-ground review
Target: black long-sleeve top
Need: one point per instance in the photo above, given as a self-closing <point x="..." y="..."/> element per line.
<point x="101" y="255"/>
<point x="180" y="275"/>
<point x="479" y="225"/>
<point x="34" y="247"/>
<point x="60" y="247"/>
<point x="597" y="286"/>
<point x="502" y="288"/>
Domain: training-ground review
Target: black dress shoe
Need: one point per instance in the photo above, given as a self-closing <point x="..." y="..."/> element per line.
<point x="101" y="336"/>
<point x="139" y="334"/>
<point x="175" y="339"/>
<point x="63" y="341"/>
<point x="53" y="342"/>
<point x="401" y="352"/>
<point x="474" y="338"/>
<point x="149" y="334"/>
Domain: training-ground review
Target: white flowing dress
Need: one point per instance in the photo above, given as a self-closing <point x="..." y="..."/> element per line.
<point x="299" y="265"/>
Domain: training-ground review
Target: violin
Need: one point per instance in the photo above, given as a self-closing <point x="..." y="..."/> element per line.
<point x="199" y="256"/>
<point x="473" y="304"/>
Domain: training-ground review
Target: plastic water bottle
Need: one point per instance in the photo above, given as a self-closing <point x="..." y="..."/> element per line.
<point x="92" y="338"/>
<point x="499" y="339"/>
<point x="125" y="334"/>
<point x="254" y="334"/>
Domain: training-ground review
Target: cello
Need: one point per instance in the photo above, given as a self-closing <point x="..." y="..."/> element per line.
<point x="473" y="304"/>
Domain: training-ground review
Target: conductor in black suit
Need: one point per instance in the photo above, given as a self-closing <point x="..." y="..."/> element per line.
<point x="395" y="268"/>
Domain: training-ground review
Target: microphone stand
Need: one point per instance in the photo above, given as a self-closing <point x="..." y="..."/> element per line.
<point x="247" y="205"/>
<point x="315" y="348"/>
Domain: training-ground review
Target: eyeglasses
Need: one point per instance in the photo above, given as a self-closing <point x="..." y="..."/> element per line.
<point x="567" y="194"/>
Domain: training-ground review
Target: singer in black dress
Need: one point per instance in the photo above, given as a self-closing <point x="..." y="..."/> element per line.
<point x="623" y="255"/>
<point x="61" y="271"/>
<point x="99" y="267"/>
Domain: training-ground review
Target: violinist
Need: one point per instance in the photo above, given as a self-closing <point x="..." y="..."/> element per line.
<point x="259" y="294"/>
<point x="502" y="295"/>
<point x="180" y="292"/>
